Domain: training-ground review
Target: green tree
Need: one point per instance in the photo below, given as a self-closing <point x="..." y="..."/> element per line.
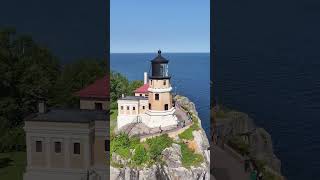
<point x="28" y="72"/>
<point x="134" y="85"/>
<point x="73" y="78"/>
<point x="118" y="85"/>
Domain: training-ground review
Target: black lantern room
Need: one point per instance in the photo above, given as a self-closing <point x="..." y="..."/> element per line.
<point x="159" y="67"/>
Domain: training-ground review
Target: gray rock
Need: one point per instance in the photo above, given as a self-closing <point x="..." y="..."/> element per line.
<point x="172" y="156"/>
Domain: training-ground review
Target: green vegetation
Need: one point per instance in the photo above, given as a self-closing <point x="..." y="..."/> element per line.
<point x="157" y="145"/>
<point x="140" y="155"/>
<point x="144" y="152"/>
<point x="30" y="72"/>
<point x="113" y="119"/>
<point x="187" y="134"/>
<point x="149" y="152"/>
<point x="119" y="85"/>
<point x="121" y="144"/>
<point x="239" y="145"/>
<point x="12" y="165"/>
<point x="189" y="157"/>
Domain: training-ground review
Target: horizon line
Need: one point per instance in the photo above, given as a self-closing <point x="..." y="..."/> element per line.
<point x="153" y="52"/>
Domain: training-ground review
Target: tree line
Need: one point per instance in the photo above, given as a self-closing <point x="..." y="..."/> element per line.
<point x="30" y="72"/>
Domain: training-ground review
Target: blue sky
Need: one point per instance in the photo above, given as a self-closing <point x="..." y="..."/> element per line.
<point x="169" y="25"/>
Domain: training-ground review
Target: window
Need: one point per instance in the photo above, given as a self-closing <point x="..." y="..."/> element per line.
<point x="156" y="96"/>
<point x="164" y="82"/>
<point x="151" y="82"/>
<point x="106" y="145"/>
<point x="38" y="146"/>
<point x="98" y="106"/>
<point x="140" y="94"/>
<point x="149" y="106"/>
<point x="166" y="107"/>
<point x="57" y="147"/>
<point x="121" y="107"/>
<point x="76" y="148"/>
<point x="127" y="107"/>
<point x="143" y="107"/>
<point x="133" y="108"/>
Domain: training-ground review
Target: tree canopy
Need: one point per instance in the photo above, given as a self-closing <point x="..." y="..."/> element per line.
<point x="30" y="72"/>
<point x="119" y="85"/>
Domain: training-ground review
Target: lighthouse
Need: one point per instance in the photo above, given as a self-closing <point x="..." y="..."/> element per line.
<point x="160" y="98"/>
<point x="161" y="111"/>
<point x="152" y="103"/>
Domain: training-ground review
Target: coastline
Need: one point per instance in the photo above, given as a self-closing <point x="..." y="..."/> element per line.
<point x="238" y="135"/>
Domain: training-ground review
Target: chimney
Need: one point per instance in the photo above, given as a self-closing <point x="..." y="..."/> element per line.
<point x="145" y="79"/>
<point x="42" y="107"/>
<point x="122" y="95"/>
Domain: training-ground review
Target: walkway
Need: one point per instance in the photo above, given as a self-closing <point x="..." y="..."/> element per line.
<point x="143" y="131"/>
<point x="226" y="167"/>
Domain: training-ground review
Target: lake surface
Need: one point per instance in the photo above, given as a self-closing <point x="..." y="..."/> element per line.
<point x="282" y="94"/>
<point x="190" y="75"/>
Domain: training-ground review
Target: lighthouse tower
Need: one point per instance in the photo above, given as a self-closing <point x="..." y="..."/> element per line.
<point x="161" y="111"/>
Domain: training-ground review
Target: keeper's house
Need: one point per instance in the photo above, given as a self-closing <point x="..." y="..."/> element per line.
<point x="70" y="144"/>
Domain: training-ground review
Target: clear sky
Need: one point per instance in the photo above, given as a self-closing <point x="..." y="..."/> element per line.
<point x="169" y="25"/>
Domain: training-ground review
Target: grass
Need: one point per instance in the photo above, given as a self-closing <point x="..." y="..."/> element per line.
<point x="113" y="119"/>
<point x="187" y="134"/>
<point x="189" y="157"/>
<point x="12" y="165"/>
<point x="238" y="144"/>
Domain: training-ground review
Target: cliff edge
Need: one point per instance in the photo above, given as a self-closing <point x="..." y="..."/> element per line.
<point x="187" y="155"/>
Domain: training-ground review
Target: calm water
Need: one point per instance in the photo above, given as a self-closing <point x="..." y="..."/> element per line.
<point x="190" y="75"/>
<point x="282" y="94"/>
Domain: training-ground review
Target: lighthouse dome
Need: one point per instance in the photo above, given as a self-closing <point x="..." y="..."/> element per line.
<point x="159" y="67"/>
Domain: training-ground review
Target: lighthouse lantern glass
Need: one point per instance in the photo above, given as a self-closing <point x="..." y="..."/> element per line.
<point x="164" y="70"/>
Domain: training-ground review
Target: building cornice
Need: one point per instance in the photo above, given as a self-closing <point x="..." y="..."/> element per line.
<point x="158" y="90"/>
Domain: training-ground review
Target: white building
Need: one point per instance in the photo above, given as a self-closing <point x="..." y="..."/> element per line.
<point x="152" y="103"/>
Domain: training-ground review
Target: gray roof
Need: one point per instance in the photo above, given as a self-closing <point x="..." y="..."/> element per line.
<point x="135" y="98"/>
<point x="70" y="115"/>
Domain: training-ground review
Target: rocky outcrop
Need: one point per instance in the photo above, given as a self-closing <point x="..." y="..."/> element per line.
<point x="260" y="143"/>
<point x="171" y="168"/>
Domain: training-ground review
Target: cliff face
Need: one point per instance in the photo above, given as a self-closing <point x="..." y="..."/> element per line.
<point x="260" y="143"/>
<point x="172" y="167"/>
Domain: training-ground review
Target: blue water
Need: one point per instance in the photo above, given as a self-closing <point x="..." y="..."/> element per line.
<point x="282" y="94"/>
<point x="190" y="75"/>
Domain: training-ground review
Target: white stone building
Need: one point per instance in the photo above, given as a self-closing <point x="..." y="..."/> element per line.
<point x="70" y="144"/>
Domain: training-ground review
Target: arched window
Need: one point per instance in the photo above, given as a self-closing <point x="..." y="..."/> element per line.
<point x="166" y="107"/>
<point x="156" y="96"/>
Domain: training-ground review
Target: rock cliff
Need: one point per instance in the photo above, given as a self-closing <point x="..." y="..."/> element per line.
<point x="233" y="123"/>
<point x="171" y="167"/>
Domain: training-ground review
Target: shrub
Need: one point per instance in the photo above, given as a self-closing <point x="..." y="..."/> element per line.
<point x="120" y="144"/>
<point x="157" y="145"/>
<point x="190" y="158"/>
<point x="140" y="155"/>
